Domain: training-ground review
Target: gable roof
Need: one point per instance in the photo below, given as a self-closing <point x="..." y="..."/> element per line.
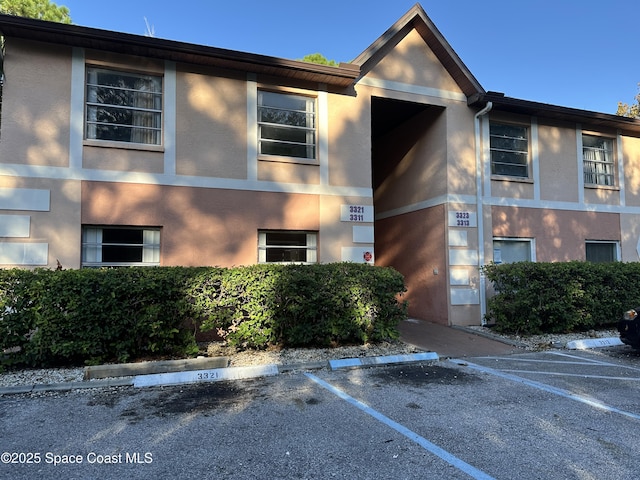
<point x="125" y="43"/>
<point x="417" y="19"/>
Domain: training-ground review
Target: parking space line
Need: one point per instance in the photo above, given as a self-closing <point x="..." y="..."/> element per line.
<point x="581" y="375"/>
<point x="547" y="388"/>
<point x="533" y="360"/>
<point x="596" y="362"/>
<point x="423" y="442"/>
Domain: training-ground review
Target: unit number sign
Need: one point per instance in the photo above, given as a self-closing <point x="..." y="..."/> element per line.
<point x="356" y="213"/>
<point x="463" y="218"/>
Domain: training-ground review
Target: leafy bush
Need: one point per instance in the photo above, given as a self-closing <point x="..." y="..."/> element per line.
<point x="304" y="305"/>
<point x="90" y="316"/>
<point x="534" y="298"/>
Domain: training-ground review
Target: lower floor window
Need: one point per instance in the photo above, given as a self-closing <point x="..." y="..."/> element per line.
<point x="511" y="250"/>
<point x="285" y="246"/>
<point x="120" y="246"/>
<point x="601" y="252"/>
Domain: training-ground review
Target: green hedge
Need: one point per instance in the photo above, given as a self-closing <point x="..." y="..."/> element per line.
<point x="91" y="316"/>
<point x="534" y="298"/>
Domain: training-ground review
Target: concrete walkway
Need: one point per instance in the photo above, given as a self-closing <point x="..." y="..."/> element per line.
<point x="451" y="342"/>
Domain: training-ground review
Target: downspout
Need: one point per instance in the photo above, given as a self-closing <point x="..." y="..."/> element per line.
<point x="479" y="208"/>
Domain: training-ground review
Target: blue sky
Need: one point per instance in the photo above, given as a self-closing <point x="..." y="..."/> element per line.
<point x="574" y="53"/>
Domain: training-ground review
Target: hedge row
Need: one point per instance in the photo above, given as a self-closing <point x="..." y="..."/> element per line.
<point x="92" y="316"/>
<point x="534" y="298"/>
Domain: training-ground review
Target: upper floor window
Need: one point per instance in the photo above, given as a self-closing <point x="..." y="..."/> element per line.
<point x="509" y="146"/>
<point x="120" y="246"/>
<point x="597" y="159"/>
<point x="123" y="107"/>
<point x="286" y="125"/>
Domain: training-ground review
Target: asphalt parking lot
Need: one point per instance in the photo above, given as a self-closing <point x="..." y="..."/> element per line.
<point x="545" y="415"/>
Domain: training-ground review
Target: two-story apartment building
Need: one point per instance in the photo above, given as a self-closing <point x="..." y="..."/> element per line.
<point x="119" y="149"/>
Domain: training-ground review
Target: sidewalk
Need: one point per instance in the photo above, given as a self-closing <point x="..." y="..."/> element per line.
<point x="451" y="342"/>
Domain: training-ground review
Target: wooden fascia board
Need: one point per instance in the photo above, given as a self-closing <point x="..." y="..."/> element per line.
<point x="85" y="37"/>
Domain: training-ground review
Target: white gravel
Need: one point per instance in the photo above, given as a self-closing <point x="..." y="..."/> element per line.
<point x="287" y="356"/>
<point x="292" y="356"/>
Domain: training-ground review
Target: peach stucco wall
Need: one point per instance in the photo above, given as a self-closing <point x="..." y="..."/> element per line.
<point x="414" y="244"/>
<point x="200" y="226"/>
<point x="35" y="116"/>
<point x="560" y="234"/>
<point x="412" y="62"/>
<point x="211" y="124"/>
<point x="558" y="161"/>
<point x="59" y="227"/>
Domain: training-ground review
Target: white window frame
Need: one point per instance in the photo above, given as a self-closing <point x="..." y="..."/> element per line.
<point x="497" y="255"/>
<point x="311" y="246"/>
<point x="598" y="161"/>
<point x="145" y="108"/>
<point x="92" y="247"/>
<point x="498" y="166"/>
<point x="615" y="245"/>
<point x="268" y="147"/>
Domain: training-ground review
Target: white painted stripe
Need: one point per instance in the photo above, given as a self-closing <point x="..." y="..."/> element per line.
<point x="423" y="442"/>
<point x="510" y="202"/>
<point x="204" y="376"/>
<point x="548" y="388"/>
<point x="564" y="374"/>
<point x="58" y="173"/>
<point x="414" y="89"/>
<point x="595" y="362"/>
<point x="24" y="199"/>
<point x="15" y="226"/>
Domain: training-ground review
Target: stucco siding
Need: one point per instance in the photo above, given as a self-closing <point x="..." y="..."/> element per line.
<point x="560" y="234"/>
<point x="412" y="62"/>
<point x="200" y="226"/>
<point x="414" y="244"/>
<point x="349" y="140"/>
<point x="631" y="162"/>
<point x="211" y="124"/>
<point x="53" y="223"/>
<point x="35" y="115"/>
<point x="558" y="160"/>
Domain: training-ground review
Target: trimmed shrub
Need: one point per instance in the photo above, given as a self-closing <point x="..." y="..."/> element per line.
<point x="534" y="298"/>
<point x="100" y="315"/>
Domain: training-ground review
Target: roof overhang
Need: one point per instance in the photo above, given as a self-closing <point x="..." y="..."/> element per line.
<point x="597" y="120"/>
<point x="97" y="39"/>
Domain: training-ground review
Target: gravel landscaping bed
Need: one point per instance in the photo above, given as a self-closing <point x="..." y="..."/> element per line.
<point x="300" y="356"/>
